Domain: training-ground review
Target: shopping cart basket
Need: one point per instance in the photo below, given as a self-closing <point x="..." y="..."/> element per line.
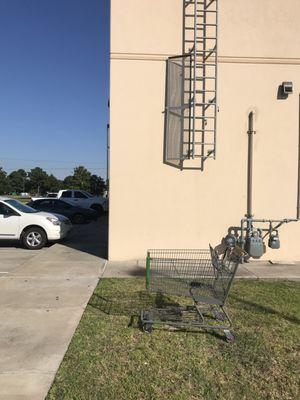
<point x="204" y="276"/>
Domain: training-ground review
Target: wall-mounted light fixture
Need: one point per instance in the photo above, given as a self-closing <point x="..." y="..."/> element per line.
<point x="287" y="87"/>
<point x="284" y="90"/>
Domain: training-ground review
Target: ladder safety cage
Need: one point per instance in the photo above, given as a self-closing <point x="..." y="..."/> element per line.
<point x="191" y="89"/>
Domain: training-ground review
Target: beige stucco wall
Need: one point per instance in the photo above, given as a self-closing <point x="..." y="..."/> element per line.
<point x="153" y="205"/>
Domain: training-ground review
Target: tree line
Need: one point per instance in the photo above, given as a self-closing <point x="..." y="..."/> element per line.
<point x="39" y="182"/>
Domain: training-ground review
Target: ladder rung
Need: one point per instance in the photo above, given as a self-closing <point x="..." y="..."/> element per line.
<point x="207" y="38"/>
<point x="206" y="11"/>
<point x="206" y="51"/>
<point x="205" y="65"/>
<point x="210" y="156"/>
<point x="205" y="104"/>
<point x="200" y="130"/>
<point x="205" y="24"/>
<point x="201" y="79"/>
<point x="200" y="91"/>
<point x="199" y="104"/>
<point x="206" y="77"/>
<point x="199" y="40"/>
<point x="200" y="143"/>
<point x="188" y="28"/>
<point x="190" y="2"/>
<point x="201" y="13"/>
<point x="203" y="117"/>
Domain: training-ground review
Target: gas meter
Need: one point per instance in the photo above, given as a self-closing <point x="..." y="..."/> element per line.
<point x="274" y="242"/>
<point x="254" y="245"/>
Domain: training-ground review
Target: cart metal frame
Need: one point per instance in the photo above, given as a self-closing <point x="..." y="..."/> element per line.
<point x="201" y="275"/>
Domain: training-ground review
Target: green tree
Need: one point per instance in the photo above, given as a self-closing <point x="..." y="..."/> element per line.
<point x="53" y="184"/>
<point x="69" y="183"/>
<point x="81" y="178"/>
<point x="38" y="180"/>
<point x="97" y="185"/>
<point x="4" y="184"/>
<point x="18" y="181"/>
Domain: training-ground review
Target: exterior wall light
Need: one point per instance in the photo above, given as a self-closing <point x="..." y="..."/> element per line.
<point x="287" y="88"/>
<point x="284" y="90"/>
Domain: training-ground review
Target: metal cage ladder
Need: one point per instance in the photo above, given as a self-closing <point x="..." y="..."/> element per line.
<point x="191" y="98"/>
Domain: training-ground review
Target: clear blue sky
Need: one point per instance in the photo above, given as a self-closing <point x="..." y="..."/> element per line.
<point x="54" y="80"/>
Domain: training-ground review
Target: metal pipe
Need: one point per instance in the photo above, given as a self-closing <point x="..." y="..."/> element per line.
<point x="285" y="220"/>
<point x="216" y="81"/>
<point x="298" y="191"/>
<point x="250" y="165"/>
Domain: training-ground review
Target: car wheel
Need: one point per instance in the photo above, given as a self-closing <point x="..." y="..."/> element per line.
<point x="98" y="208"/>
<point x="78" y="219"/>
<point x="34" y="238"/>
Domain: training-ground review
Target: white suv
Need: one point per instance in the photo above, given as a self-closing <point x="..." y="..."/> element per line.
<point x="31" y="227"/>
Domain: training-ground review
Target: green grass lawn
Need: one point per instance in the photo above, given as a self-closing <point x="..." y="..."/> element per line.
<point x="111" y="358"/>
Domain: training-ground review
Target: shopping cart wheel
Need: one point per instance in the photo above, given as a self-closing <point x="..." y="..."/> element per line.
<point x="147" y="328"/>
<point x="230" y="337"/>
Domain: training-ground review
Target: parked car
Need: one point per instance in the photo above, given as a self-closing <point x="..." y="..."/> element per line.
<point x="48" y="194"/>
<point x="33" y="228"/>
<point x="25" y="195"/>
<point x="84" y="199"/>
<point x="81" y="198"/>
<point x="51" y="194"/>
<point x="77" y="215"/>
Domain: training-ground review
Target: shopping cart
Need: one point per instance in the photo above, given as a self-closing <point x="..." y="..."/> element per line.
<point x="201" y="275"/>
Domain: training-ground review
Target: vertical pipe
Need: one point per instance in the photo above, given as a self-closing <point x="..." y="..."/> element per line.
<point x="250" y="165"/>
<point x="216" y="80"/>
<point x="107" y="158"/>
<point x="298" y="191"/>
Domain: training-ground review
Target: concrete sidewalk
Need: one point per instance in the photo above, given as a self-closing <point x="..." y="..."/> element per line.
<point x="41" y="304"/>
<point x="251" y="270"/>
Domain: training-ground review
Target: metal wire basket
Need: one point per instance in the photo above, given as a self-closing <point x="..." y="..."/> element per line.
<point x="201" y="275"/>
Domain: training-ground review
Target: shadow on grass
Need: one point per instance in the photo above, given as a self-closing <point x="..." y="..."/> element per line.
<point x="129" y="304"/>
<point x="266" y="309"/>
<point x="132" y="303"/>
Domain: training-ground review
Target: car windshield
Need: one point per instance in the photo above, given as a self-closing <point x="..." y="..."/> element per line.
<point x="86" y="193"/>
<point x="21" y="207"/>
